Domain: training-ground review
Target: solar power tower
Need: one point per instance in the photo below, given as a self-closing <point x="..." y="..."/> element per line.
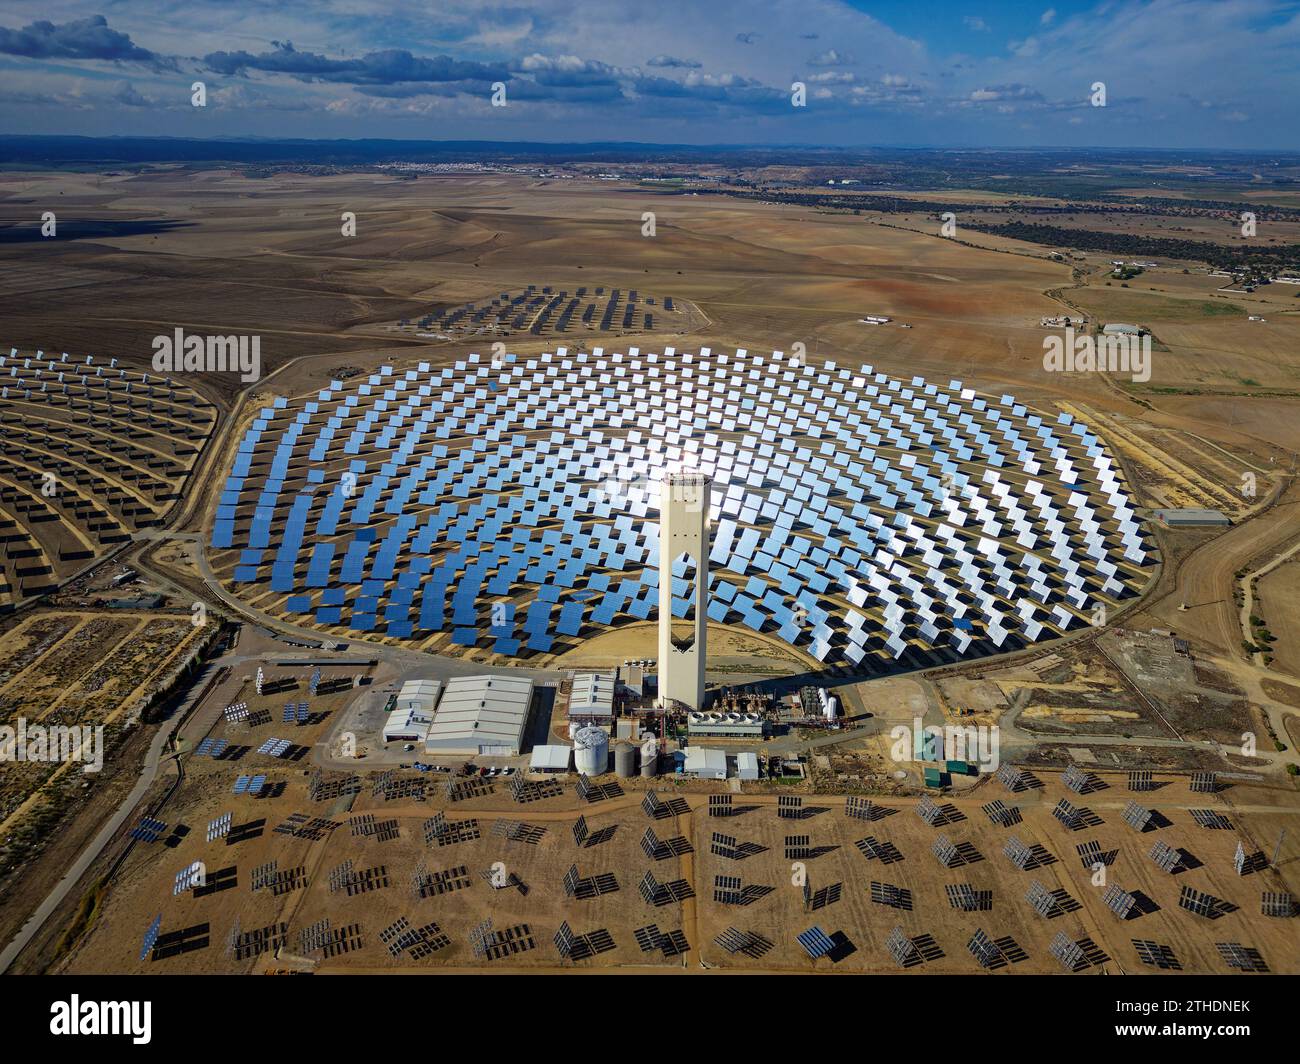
<point x="683" y="575"/>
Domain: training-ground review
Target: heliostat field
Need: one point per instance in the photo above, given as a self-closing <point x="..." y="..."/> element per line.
<point x="508" y="506"/>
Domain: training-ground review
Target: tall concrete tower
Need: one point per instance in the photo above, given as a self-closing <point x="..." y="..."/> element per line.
<point x="684" y="564"/>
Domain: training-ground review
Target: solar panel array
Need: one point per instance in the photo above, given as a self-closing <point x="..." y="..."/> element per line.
<point x="1118" y="901"/>
<point x="1166" y="858"/>
<point x="1278" y="904"/>
<point x="939" y="522"/>
<point x="1136" y="816"/>
<point x="891" y="894"/>
<point x="902" y="948"/>
<point x="858" y="808"/>
<point x="1068" y="815"/>
<point x="815" y="942"/>
<point x="1156" y="955"/>
<point x="1003" y="815"/>
<point x="1068" y="952"/>
<point x="928" y="811"/>
<point x="1211" y="819"/>
<point x="219" y="828"/>
<point x="1076" y="779"/>
<point x="981" y="947"/>
<point x="274" y="747"/>
<point x="750" y="943"/>
<point x="1245" y="958"/>
<point x="1200" y="903"/>
<point x="1204" y="782"/>
<point x="188" y="878"/>
<point x="149" y="829"/>
<point x="151" y="936"/>
<point x="1021" y="856"/>
<point x="1140" y="781"/>
<point x="1042" y="900"/>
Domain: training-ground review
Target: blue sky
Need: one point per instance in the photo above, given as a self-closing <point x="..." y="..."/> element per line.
<point x="1178" y="73"/>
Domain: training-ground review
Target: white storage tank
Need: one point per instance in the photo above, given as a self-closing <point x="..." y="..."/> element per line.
<point x="831" y="709"/>
<point x="591" y="751"/>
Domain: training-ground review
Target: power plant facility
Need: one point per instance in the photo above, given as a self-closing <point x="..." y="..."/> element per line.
<point x="683" y="587"/>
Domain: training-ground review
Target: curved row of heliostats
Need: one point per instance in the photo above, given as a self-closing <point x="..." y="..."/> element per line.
<point x="858" y="516"/>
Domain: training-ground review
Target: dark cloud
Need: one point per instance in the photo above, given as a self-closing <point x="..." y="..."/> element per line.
<point x="747" y="38"/>
<point x="388" y="67"/>
<point x="671" y="61"/>
<point x="87" y="38"/>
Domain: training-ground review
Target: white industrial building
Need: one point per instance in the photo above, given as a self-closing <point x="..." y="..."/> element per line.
<point x="706" y="764"/>
<point x="591" y="700"/>
<point x="413" y="712"/>
<point x="409" y="725"/>
<point x="481" y="715"/>
<point x="424" y="692"/>
<point x="553" y="758"/>
<point x="747" y="765"/>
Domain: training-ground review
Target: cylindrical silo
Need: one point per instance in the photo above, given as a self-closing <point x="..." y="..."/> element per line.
<point x="591" y="751"/>
<point x="649" y="762"/>
<point x="625" y="760"/>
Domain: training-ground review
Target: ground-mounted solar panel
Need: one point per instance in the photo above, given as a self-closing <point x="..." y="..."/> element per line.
<point x="1201" y="903"/>
<point x="750" y="943"/>
<point x="815" y="942"/>
<point x="149" y="829"/>
<point x="1204" y="782"/>
<point x="220" y="827"/>
<point x="891" y="894"/>
<point x="1119" y="901"/>
<point x="965" y="898"/>
<point x="789" y="807"/>
<point x="1136" y="816"/>
<point x="928" y="811"/>
<point x="1077" y="779"/>
<point x="987" y="955"/>
<point x="1165" y="857"/>
<point x="1019" y="854"/>
<point x="1243" y="958"/>
<point x="1068" y="952"/>
<point x="902" y="949"/>
<point x="1140" y="780"/>
<point x="1156" y="955"/>
<point x="1001" y="814"/>
<point x="945" y="852"/>
<point x="1211" y="819"/>
<point x="151" y="936"/>
<point x="1278" y="904"/>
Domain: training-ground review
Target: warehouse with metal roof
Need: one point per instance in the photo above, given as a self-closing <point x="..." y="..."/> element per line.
<point x="591" y="700"/>
<point x="483" y="715"/>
